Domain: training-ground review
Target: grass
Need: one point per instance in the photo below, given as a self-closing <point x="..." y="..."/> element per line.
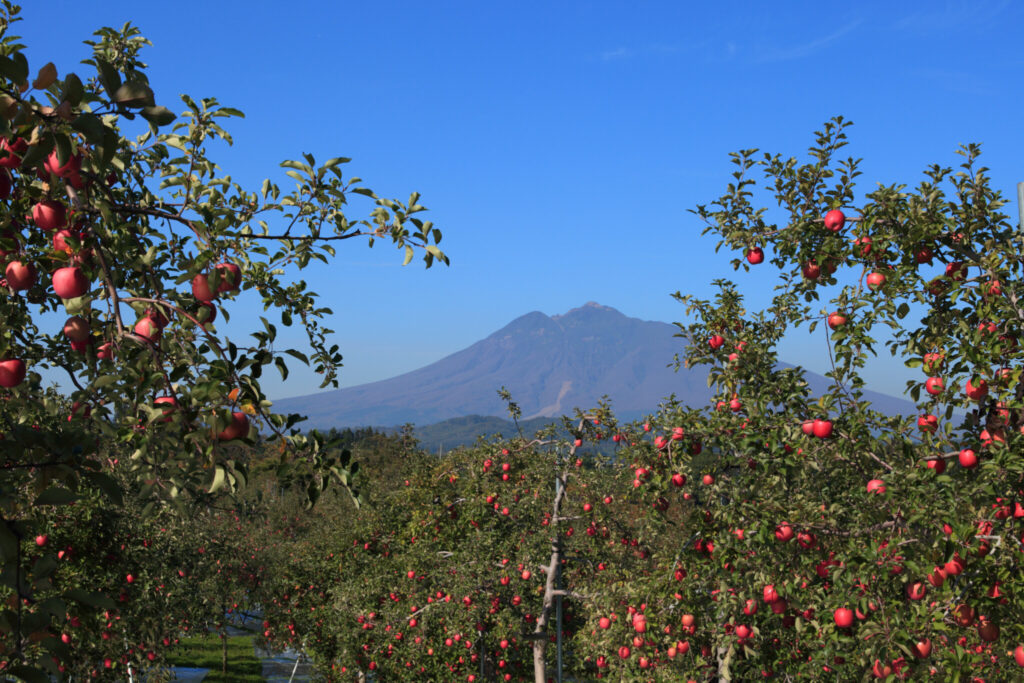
<point x="206" y="653"/>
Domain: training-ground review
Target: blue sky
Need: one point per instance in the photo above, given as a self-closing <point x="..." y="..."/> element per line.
<point x="559" y="145"/>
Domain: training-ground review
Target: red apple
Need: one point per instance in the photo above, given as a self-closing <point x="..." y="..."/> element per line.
<point x="956" y="271"/>
<point x="12" y="152"/>
<point x="875" y="280"/>
<point x="238" y="428"/>
<point x="168" y="404"/>
<point x="835" y="220"/>
<point x="937" y="464"/>
<point x="988" y="631"/>
<point x="76" y="328"/>
<point x="50" y="215"/>
<point x="201" y="288"/>
<point x="20" y="275"/>
<point x="807" y="427"/>
<point x="923" y="255"/>
<point x="755" y="255"/>
<point x="41" y="540"/>
<point x="230" y="277"/>
<point x="604" y="622"/>
<point x="933" y="362"/>
<point x="60" y="240"/>
<point x="12" y="372"/>
<point x="716" y="341"/>
<point x="822" y="428"/>
<point x="865" y="246"/>
<point x="964" y="615"/>
<point x="811" y="270"/>
<point x="71" y="167"/>
<point x="148" y="329"/>
<point x="934" y="386"/>
<point x="916" y="590"/>
<point x="876" y="486"/>
<point x="968" y="458"/>
<point x="836" y="320"/>
<point x="79" y="408"/>
<point x="928" y="423"/>
<point x="1018" y="655"/>
<point x="880" y="670"/>
<point x="784" y="532"/>
<point x="678" y="479"/>
<point x="922" y="648"/>
<point x="843" y="617"/>
<point x="70" y="282"/>
<point x="105" y="351"/>
<point x="978" y="391"/>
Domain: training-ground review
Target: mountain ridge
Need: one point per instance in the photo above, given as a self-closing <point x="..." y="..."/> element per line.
<point x="549" y="364"/>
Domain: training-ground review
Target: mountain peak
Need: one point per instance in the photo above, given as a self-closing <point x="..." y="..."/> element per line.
<point x="589" y="307"/>
<point x="551" y="365"/>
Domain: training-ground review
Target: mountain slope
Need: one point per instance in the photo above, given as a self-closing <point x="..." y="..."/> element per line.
<point x="550" y="364"/>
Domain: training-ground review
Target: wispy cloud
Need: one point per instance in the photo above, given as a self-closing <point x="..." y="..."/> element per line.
<point x="957" y="81"/>
<point x="953" y="15"/>
<point x="650" y="50"/>
<point x="617" y="53"/>
<point x="807" y="49"/>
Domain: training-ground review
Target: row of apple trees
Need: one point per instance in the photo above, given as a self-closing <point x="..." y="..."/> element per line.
<point x="774" y="533"/>
<point x="123" y="246"/>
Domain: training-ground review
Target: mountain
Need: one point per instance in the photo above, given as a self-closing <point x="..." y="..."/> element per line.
<point x="549" y="364"/>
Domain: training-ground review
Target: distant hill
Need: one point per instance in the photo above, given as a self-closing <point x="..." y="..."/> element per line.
<point x="550" y="364"/>
<point x="464" y="431"/>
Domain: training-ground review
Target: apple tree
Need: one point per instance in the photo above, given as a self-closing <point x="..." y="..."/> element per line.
<point x="784" y="530"/>
<point x="829" y="539"/>
<point x="122" y="245"/>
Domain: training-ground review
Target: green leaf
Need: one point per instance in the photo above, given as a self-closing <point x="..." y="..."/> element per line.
<point x="902" y="310"/>
<point x="8" y="543"/>
<point x="55" y="495"/>
<point x="91" y="598"/>
<point x="14" y="68"/>
<point x="36" y="153"/>
<point x="109" y="146"/>
<point x="109" y="76"/>
<point x="44" y="567"/>
<point x="331" y="163"/>
<point x="218" y="478"/>
<point x="105" y="483"/>
<point x="297" y="354"/>
<point x="104" y="381"/>
<point x="409" y="253"/>
<point x="63" y="144"/>
<point x="134" y="94"/>
<point x="73" y="90"/>
<point x="28" y="674"/>
<point x="89" y="125"/>
<point x="158" y="116"/>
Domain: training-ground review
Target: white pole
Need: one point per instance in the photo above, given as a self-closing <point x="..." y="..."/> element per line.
<point x="1020" y="205"/>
